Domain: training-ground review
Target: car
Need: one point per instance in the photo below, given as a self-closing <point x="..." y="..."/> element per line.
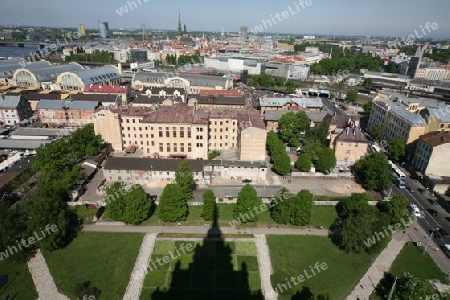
<point x="432" y="212"/>
<point x="432" y="201"/>
<point x="410" y="189"/>
<point x="442" y="232"/>
<point x="246" y="180"/>
<point x="420" y="190"/>
<point x="446" y="249"/>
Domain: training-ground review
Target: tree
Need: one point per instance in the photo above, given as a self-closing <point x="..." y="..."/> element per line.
<point x="352" y="96"/>
<point x="326" y="161"/>
<point x="312" y="147"/>
<point x="411" y="287"/>
<point x="368" y="82"/>
<point x="209" y="205"/>
<point x="213" y="154"/>
<point x="184" y="177"/>
<point x="367" y="107"/>
<point x="396" y="209"/>
<point x="115" y="202"/>
<point x="172" y="204"/>
<point x="293" y="210"/>
<point x="320" y="132"/>
<point x="84" y="290"/>
<point x="281" y="163"/>
<point x="397" y="148"/>
<point x="246" y="203"/>
<point x="374" y="172"/>
<point x="377" y="131"/>
<point x="354" y="204"/>
<point x="291" y="126"/>
<point x="84" y="141"/>
<point x="138" y="206"/>
<point x="303" y="162"/>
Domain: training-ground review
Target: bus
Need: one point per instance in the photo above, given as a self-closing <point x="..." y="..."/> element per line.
<point x="398" y="173"/>
<point x="400" y="183"/>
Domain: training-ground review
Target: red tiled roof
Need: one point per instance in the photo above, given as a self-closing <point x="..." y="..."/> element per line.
<point x="435" y="138"/>
<point x="227" y="93"/>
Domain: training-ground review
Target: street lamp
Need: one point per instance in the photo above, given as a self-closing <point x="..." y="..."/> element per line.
<point x="429" y="241"/>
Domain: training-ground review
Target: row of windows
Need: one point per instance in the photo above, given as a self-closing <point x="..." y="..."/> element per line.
<point x="175" y="147"/>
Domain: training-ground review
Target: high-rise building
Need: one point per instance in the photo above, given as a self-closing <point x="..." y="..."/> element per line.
<point x="104" y="30"/>
<point x="81" y="30"/>
<point x="413" y="66"/>
<point x="243" y="33"/>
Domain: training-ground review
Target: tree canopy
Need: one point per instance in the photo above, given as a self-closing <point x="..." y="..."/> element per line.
<point x="326" y="161"/>
<point x="295" y="210"/>
<point x="184" y="177"/>
<point x="291" y="126"/>
<point x="374" y="172"/>
<point x="397" y="149"/>
<point x="172" y="204"/>
<point x="303" y="162"/>
<point x="209" y="206"/>
<point x="278" y="156"/>
<point x="396" y="209"/>
<point x="247" y="202"/>
<point x="411" y="287"/>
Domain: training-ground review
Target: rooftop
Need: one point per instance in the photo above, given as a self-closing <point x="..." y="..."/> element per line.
<point x="302" y="102"/>
<point x="435" y="138"/>
<point x="114" y="89"/>
<point x="66" y="105"/>
<point x="227" y="93"/>
<point x="150" y="164"/>
<point x="352" y="135"/>
<point x="95" y="97"/>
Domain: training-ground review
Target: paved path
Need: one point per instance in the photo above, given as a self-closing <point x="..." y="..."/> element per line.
<point x="105" y="227"/>
<point x="42" y="278"/>
<point x="136" y="282"/>
<point x="265" y="267"/>
<point x="382" y="264"/>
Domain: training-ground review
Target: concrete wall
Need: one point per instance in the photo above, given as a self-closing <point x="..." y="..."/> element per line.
<point x="438" y="164"/>
<point x="107" y="124"/>
<point x="253" y="144"/>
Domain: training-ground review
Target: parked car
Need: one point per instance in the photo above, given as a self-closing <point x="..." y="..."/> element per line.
<point x="443" y="232"/>
<point x="410" y="189"/>
<point x="432" y="201"/>
<point x="420" y="190"/>
<point x="246" y="180"/>
<point x="432" y="212"/>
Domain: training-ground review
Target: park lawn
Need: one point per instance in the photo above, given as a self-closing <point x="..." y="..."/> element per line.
<point x="295" y="254"/>
<point x="104" y="259"/>
<point x="323" y="215"/>
<point x="411" y="260"/>
<point x="20" y="283"/>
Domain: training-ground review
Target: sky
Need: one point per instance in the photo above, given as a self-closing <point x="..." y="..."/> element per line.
<point x="398" y="18"/>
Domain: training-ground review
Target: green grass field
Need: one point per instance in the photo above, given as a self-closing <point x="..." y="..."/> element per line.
<point x="20" y="284"/>
<point x="293" y="255"/>
<point x="204" y="264"/>
<point x="411" y="260"/>
<point x="321" y="216"/>
<point x="104" y="259"/>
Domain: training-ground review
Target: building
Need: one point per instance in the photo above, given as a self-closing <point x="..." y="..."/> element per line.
<point x="9" y="66"/>
<point x="338" y="123"/>
<point x="81" y="30"/>
<point x="42" y="78"/>
<point x="144" y="171"/>
<point x="431" y="154"/>
<point x="183" y="131"/>
<point x="14" y="109"/>
<point x="123" y="91"/>
<point x="413" y="66"/>
<point x="103" y="99"/>
<point x="288" y="103"/>
<point x="219" y="101"/>
<point x="78" y="79"/>
<point x="34" y="98"/>
<point x="137" y="55"/>
<point x="350" y="145"/>
<point x="193" y="84"/>
<point x="66" y="113"/>
<point x="408" y="118"/>
<point x="243" y="34"/>
<point x="104" y="30"/>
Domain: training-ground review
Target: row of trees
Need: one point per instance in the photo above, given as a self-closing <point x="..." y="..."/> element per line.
<point x="182" y="60"/>
<point x="96" y="56"/>
<point x="281" y="163"/>
<point x="351" y="62"/>
<point x="57" y="171"/>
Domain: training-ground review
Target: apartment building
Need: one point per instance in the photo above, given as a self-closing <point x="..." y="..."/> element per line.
<point x="183" y="131"/>
<point x="350" y="145"/>
<point x="408" y="118"/>
<point x="288" y="103"/>
<point x="66" y="113"/>
<point x="431" y="154"/>
<point x="13" y="109"/>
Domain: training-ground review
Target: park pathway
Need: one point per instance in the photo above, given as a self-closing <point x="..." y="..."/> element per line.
<point x="136" y="282"/>
<point x="42" y="278"/>
<point x="382" y="264"/>
<point x="265" y="267"/>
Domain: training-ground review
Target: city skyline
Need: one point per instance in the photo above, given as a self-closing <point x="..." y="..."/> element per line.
<point x="381" y="18"/>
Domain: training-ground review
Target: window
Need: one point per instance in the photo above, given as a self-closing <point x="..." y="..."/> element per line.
<point x="189" y="147"/>
<point x="181" y="132"/>
<point x="167" y="132"/>
<point x="161" y="147"/>
<point x="174" y="132"/>
<point x="182" y="147"/>
<point x="160" y="132"/>
<point x="189" y="132"/>
<point x="134" y="121"/>
<point x="153" y="143"/>
<point x="348" y="152"/>
<point x="356" y="145"/>
<point x="175" y="148"/>
<point x="168" y="147"/>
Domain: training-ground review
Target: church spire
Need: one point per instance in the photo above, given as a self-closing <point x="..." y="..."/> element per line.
<point x="179" y="23"/>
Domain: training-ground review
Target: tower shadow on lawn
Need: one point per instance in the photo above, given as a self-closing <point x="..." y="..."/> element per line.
<point x="210" y="276"/>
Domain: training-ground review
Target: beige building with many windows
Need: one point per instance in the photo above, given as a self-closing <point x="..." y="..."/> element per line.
<point x="408" y="118"/>
<point x="183" y="131"/>
<point x="431" y="155"/>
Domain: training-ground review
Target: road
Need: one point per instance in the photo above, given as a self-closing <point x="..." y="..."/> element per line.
<point x="330" y="106"/>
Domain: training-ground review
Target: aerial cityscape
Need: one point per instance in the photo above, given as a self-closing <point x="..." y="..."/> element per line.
<point x="287" y="150"/>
